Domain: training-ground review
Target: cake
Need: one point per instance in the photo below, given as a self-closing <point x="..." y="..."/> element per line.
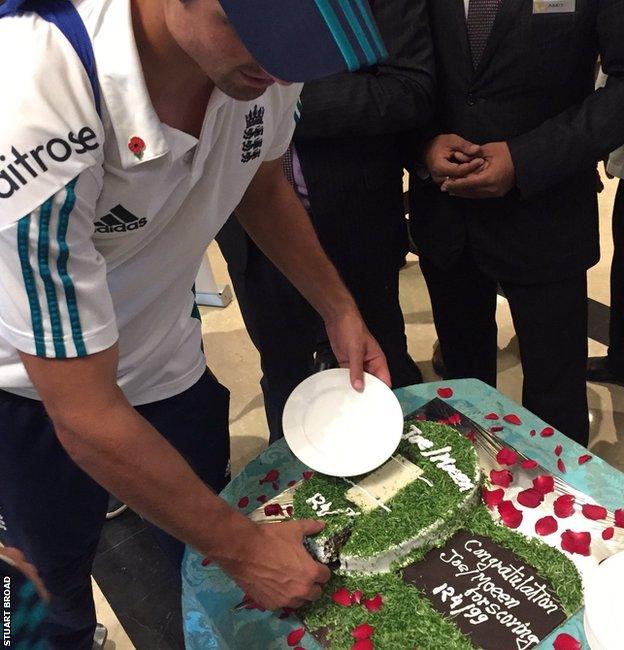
<point x="417" y="498"/>
<point x="405" y="543"/>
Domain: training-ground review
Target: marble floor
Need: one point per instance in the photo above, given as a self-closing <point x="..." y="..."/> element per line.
<point x="235" y="361"/>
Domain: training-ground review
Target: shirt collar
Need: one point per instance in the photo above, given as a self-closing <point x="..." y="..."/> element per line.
<point x="123" y="87"/>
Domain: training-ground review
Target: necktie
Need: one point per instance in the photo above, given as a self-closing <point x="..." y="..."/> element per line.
<point x="481" y="17"/>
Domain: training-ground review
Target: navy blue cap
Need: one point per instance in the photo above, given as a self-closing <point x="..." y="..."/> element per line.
<point x="300" y="40"/>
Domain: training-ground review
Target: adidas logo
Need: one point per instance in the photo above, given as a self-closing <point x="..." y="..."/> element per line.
<point x="119" y="220"/>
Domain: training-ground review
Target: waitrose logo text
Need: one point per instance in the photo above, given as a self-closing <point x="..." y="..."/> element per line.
<point x="18" y="172"/>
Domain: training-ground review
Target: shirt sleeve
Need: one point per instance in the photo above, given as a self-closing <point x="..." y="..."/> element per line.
<point x="54" y="297"/>
<point x="286" y="126"/>
<point x="51" y="131"/>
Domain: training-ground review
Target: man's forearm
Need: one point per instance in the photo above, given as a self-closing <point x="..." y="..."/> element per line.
<point x="277" y="222"/>
<point x="120" y="450"/>
<point x="126" y="455"/>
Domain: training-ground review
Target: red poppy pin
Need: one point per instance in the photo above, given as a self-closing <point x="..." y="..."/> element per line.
<point x="137" y="146"/>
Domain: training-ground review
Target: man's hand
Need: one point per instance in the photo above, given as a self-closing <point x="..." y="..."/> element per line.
<point x="276" y="570"/>
<point x="275" y="219"/>
<point x="126" y="455"/>
<point x="495" y="179"/>
<point x="449" y="156"/>
<point x="356" y="349"/>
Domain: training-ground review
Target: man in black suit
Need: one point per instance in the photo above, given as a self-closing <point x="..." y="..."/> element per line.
<point x="351" y="147"/>
<point x="516" y="95"/>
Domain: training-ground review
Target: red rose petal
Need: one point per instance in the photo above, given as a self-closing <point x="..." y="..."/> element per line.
<point x="566" y="642"/>
<point x="492" y="498"/>
<point x="206" y="561"/>
<point x="492" y="416"/>
<point x="292" y="483"/>
<point x="342" y="597"/>
<point x="244" y="502"/>
<point x="512" y="418"/>
<point x="273" y="510"/>
<point x="564" y="506"/>
<point x="373" y="604"/>
<point x="364" y="631"/>
<point x="558" y="450"/>
<point x="445" y="393"/>
<point x="585" y="458"/>
<point x="529" y="464"/>
<point x="593" y="512"/>
<point x="608" y="533"/>
<point x="356" y="596"/>
<point x="496" y="429"/>
<point x="363" y="644"/>
<point x="576" y="542"/>
<point x="546" y="526"/>
<point x="511" y="516"/>
<point x="272" y="475"/>
<point x="533" y="433"/>
<point x="544" y="483"/>
<point x="619" y="517"/>
<point x="530" y="498"/>
<point x="290" y="511"/>
<point x="507" y="457"/>
<point x="472" y="437"/>
<point x="454" y="419"/>
<point x="295" y="636"/>
<point x="546" y="432"/>
<point x="561" y="466"/>
<point x="502" y="478"/>
<point x="308" y="475"/>
<point x="262" y="498"/>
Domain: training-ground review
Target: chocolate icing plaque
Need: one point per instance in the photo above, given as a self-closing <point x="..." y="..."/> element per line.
<point x="489" y="592"/>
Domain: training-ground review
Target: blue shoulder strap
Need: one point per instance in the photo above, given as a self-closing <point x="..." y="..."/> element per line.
<point x="64" y="15"/>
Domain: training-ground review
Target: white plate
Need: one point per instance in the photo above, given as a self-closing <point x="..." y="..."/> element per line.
<point x="337" y="431"/>
<point x="604" y="604"/>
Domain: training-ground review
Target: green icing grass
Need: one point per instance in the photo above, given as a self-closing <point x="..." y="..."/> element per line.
<point x="407" y="619"/>
<point x="413" y="508"/>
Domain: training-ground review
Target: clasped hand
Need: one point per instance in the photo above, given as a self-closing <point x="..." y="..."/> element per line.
<point x="468" y="170"/>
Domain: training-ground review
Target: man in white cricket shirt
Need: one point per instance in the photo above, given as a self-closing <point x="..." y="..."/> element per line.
<point x="131" y="129"/>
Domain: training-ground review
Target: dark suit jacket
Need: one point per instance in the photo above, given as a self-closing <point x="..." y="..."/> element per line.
<point x="534" y="89"/>
<point x="351" y="139"/>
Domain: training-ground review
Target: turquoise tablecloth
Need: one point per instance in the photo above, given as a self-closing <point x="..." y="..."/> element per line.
<point x="209" y="596"/>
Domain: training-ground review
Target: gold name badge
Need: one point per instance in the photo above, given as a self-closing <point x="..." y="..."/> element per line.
<point x="554" y="6"/>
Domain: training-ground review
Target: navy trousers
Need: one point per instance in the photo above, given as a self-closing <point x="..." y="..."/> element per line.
<point x="551" y="324"/>
<point x="54" y="512"/>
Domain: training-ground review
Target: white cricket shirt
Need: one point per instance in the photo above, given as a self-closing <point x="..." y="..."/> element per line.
<point x="98" y="242"/>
